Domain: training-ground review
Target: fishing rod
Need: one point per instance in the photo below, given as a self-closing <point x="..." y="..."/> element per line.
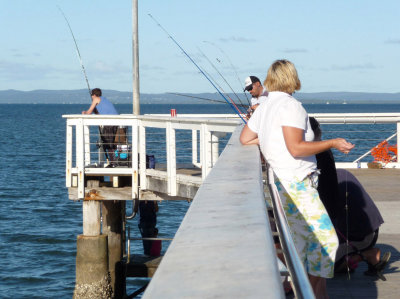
<point x="242" y="87"/>
<point x="215" y="68"/>
<point x="223" y="91"/>
<point x="200" y="98"/>
<point x="219" y="73"/>
<point x="77" y="49"/>
<point x="187" y="55"/>
<point x="232" y="66"/>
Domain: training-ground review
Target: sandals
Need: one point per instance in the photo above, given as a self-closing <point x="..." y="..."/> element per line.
<point x="377" y="269"/>
<point x="346" y="266"/>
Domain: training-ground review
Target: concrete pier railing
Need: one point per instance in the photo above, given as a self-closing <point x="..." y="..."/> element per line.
<point x="224" y="246"/>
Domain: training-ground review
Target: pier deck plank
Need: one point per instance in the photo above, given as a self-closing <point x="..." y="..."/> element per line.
<point x="142" y="266"/>
<point x="383" y="185"/>
<point x="157" y="182"/>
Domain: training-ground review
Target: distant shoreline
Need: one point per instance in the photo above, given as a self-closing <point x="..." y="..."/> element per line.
<point x="303" y="102"/>
<point x="121" y="97"/>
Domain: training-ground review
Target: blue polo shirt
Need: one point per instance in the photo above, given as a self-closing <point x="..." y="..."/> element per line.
<point x="106" y="107"/>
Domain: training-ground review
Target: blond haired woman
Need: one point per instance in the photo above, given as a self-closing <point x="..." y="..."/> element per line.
<point x="282" y="129"/>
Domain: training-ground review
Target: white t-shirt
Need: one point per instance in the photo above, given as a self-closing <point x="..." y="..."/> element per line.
<point x="282" y="109"/>
<point x="261" y="99"/>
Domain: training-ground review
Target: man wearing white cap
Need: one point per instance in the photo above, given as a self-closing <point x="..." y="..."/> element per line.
<point x="258" y="92"/>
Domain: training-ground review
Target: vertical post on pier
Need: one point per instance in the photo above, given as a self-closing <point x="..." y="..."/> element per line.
<point x="215" y="147"/>
<point x="135" y="60"/>
<point x="135" y="159"/>
<point x="68" y="151"/>
<point x="194" y="148"/>
<point x="91" y="218"/>
<point x="205" y="140"/>
<point x="171" y="159"/>
<point x="92" y="267"/>
<point x="112" y="212"/>
<point x="86" y="136"/>
<point x="92" y="277"/>
<point x="142" y="155"/>
<point x="80" y="159"/>
<point x="398" y="144"/>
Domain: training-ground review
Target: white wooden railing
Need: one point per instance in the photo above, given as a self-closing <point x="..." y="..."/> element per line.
<point x="204" y="134"/>
<point x="82" y="134"/>
<point x="365" y="130"/>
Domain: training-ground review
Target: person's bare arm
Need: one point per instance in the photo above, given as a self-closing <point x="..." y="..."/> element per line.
<point x="298" y="147"/>
<point x="248" y="137"/>
<point x="91" y="108"/>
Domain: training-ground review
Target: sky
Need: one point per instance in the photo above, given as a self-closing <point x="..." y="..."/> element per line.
<point x="341" y="45"/>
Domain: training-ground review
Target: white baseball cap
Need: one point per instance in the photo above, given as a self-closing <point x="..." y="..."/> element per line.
<point x="248" y="83"/>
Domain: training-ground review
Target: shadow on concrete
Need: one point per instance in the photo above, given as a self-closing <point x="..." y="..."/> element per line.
<point x="358" y="285"/>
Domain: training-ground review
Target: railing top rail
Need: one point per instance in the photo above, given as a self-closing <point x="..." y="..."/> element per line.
<point x="381" y="114"/>
<point x="224" y="116"/>
<point x="356" y="118"/>
<point x="208" y="119"/>
<point x="224" y="246"/>
<point x="229" y="119"/>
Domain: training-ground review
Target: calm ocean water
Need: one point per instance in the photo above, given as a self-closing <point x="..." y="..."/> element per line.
<point x="38" y="224"/>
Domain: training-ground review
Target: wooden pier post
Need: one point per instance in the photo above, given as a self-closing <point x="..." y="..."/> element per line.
<point x="92" y="270"/>
<point x="92" y="276"/>
<point x="91" y="218"/>
<point x="112" y="227"/>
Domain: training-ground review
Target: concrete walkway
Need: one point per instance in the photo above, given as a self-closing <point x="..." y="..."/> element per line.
<point x="224" y="246"/>
<point x="383" y="185"/>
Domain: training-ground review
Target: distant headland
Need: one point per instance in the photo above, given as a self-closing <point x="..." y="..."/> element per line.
<point x="81" y="96"/>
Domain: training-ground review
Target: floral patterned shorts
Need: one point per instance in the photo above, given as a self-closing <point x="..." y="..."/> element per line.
<point x="312" y="230"/>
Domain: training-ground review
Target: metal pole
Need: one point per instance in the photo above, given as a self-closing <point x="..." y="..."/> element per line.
<point x="135" y="61"/>
<point x="398" y="143"/>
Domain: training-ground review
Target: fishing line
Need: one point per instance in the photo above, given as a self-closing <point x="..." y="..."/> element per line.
<point x="187" y="55"/>
<point x="347" y="230"/>
<point x="222" y="90"/>
<point x="219" y="73"/>
<point x="200" y="98"/>
<point x="232" y="66"/>
<point x="76" y="47"/>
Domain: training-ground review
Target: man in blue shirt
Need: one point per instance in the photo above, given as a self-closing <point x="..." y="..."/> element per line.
<point x="101" y="105"/>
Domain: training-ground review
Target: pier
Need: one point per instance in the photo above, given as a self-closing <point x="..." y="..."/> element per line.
<point x="224" y="245"/>
<point x="384" y="188"/>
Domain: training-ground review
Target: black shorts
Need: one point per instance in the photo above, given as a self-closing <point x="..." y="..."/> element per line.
<point x="368" y="242"/>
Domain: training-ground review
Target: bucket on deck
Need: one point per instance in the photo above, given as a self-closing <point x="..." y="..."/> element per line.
<point x="150" y="161"/>
<point x="173" y="113"/>
<point x="155" y="249"/>
<point x="122" y="155"/>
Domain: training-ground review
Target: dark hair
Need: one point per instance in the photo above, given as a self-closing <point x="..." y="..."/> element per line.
<point x="96" y="92"/>
<point x="254" y="79"/>
<point x="316" y="128"/>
